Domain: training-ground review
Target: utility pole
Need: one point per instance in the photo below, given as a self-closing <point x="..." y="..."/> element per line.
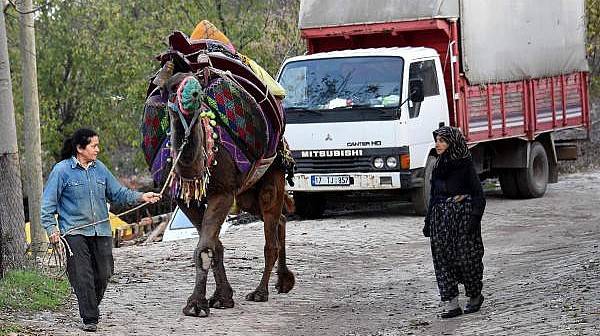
<point x="12" y="219"/>
<point x="31" y="125"/>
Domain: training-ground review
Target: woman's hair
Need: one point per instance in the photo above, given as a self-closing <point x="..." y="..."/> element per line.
<point x="82" y="137"/>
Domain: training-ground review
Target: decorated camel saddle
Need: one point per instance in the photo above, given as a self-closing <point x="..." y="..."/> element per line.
<point x="240" y="106"/>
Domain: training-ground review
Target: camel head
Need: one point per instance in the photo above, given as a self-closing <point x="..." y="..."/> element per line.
<point x="185" y="104"/>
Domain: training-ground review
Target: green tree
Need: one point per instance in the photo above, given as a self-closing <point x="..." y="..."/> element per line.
<point x="95" y="58"/>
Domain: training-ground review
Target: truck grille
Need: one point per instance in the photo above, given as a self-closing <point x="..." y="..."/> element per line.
<point x="334" y="165"/>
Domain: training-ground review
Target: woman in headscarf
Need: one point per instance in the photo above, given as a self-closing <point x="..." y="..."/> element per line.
<point x="453" y="222"/>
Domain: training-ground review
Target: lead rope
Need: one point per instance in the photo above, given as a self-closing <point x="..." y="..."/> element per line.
<point x="58" y="256"/>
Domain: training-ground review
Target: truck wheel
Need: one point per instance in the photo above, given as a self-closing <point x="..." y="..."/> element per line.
<point x="508" y="183"/>
<point x="309" y="205"/>
<point x="420" y="196"/>
<point x="532" y="181"/>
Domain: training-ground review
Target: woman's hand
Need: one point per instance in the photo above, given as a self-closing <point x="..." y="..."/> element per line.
<point x="151" y="197"/>
<point x="459" y="198"/>
<point x="54" y="237"/>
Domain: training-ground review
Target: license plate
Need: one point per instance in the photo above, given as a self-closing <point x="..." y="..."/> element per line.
<point x="329" y="180"/>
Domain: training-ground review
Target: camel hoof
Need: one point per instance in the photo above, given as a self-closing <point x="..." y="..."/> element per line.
<point x="219" y="302"/>
<point x="197" y="308"/>
<point x="285" y="282"/>
<point x="258" y="296"/>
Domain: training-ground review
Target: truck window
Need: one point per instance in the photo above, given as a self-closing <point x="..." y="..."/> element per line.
<point x="343" y="88"/>
<point x="424" y="70"/>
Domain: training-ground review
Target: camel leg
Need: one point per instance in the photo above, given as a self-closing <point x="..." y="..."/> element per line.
<point x="223" y="296"/>
<point x="205" y="255"/>
<point x="285" y="277"/>
<point x="270" y="199"/>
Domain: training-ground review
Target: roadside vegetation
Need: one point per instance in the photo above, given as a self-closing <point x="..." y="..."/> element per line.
<point x="27" y="291"/>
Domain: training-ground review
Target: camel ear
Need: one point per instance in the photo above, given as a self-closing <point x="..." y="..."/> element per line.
<point x="173" y="83"/>
<point x="164" y="74"/>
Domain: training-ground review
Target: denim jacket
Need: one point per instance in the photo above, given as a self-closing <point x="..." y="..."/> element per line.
<point x="79" y="197"/>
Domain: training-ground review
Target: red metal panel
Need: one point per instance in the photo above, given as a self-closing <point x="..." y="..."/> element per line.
<point x="553" y="102"/>
<point x="581" y="94"/>
<point x="488" y="94"/>
<point x="564" y="99"/>
<point x="533" y="115"/>
<point x="375" y="28"/>
<point x="585" y="98"/>
<point x="456" y="80"/>
<point x="503" y="108"/>
<point x="524" y="108"/>
<point x="464" y="112"/>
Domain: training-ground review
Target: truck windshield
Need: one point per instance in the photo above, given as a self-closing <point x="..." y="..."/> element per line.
<point x="329" y="85"/>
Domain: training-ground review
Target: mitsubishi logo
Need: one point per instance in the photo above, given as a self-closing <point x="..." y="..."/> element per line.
<point x="328" y="137"/>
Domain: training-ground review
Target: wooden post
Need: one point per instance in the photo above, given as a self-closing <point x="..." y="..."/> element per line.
<point x="31" y="125"/>
<point x="12" y="218"/>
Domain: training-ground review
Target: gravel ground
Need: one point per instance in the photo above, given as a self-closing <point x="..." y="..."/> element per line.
<point x="368" y="271"/>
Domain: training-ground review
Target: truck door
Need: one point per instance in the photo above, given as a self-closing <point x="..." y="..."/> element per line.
<point x="427" y="116"/>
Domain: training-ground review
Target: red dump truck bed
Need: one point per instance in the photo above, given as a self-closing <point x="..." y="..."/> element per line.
<point x="484" y="111"/>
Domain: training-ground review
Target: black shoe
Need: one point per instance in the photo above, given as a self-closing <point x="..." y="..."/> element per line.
<point x="452" y="313"/>
<point x="91" y="327"/>
<point x="474" y="308"/>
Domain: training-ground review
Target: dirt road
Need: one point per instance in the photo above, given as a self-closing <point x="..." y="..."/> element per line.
<point x="369" y="272"/>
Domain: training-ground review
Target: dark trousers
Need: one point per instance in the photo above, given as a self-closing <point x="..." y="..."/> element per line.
<point x="89" y="269"/>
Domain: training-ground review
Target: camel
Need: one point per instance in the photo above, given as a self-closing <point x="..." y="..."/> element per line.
<point x="207" y="178"/>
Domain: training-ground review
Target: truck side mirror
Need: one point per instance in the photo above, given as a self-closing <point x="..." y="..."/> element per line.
<point x="415" y="87"/>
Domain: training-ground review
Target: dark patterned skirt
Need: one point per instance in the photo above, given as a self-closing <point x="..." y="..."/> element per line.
<point x="457" y="253"/>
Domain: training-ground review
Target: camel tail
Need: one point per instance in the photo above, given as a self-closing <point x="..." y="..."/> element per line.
<point x="288" y="204"/>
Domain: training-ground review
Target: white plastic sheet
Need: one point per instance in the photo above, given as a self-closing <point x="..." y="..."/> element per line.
<point x="511" y="40"/>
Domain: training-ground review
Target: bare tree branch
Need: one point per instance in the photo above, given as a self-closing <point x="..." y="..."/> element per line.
<point x="27" y="12"/>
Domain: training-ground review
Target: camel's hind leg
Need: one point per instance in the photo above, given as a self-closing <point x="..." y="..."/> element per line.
<point x="285" y="277"/>
<point x="208" y="254"/>
<point x="270" y="200"/>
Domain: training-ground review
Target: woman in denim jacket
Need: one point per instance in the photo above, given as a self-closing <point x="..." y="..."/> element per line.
<point x="78" y="190"/>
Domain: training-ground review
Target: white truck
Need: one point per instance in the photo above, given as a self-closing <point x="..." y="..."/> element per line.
<point x="362" y="104"/>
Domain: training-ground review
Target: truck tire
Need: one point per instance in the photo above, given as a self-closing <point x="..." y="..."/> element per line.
<point x="508" y="183"/>
<point x="309" y="205"/>
<point x="420" y="196"/>
<point x="532" y="181"/>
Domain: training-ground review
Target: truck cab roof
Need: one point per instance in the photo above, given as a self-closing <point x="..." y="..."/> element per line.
<point x="408" y="53"/>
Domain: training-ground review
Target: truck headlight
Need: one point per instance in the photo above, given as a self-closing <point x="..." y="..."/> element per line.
<point x="378" y="163"/>
<point x="391" y="162"/>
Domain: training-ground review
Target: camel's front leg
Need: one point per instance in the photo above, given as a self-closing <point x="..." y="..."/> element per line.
<point x="223" y="295"/>
<point x="206" y="252"/>
<point x="197" y="305"/>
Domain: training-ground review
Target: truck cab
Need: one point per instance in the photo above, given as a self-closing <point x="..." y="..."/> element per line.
<point x="362" y="120"/>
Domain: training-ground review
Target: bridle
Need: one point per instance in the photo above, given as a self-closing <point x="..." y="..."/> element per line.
<point x="188" y="188"/>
